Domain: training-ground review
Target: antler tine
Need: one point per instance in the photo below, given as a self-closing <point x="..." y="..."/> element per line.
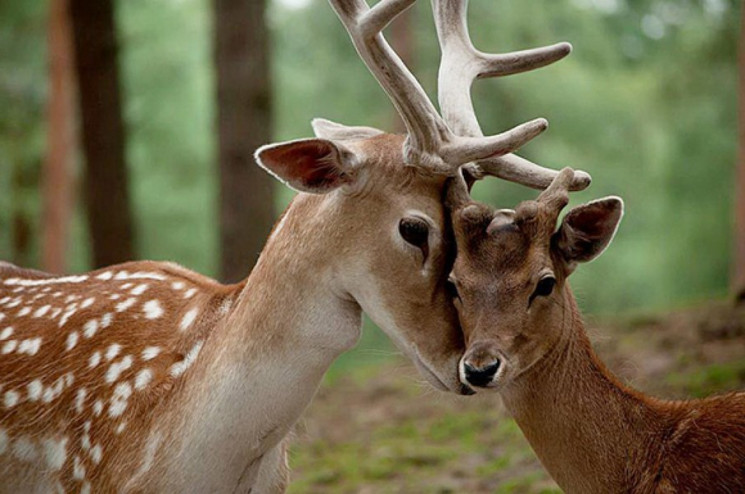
<point x="461" y="63"/>
<point x="430" y="142"/>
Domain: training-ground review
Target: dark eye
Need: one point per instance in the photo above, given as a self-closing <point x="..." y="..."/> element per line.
<point x="544" y="288"/>
<point x="415" y="232"/>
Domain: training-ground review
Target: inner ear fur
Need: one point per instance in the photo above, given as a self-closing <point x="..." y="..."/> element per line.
<point x="326" y="129"/>
<point x="587" y="230"/>
<point x="316" y="166"/>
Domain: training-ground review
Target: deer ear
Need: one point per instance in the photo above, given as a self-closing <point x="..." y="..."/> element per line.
<point x="326" y="129"/>
<point x="317" y="166"/>
<point x="588" y="229"/>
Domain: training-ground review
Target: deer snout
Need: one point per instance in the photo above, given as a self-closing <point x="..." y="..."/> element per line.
<point x="480" y="365"/>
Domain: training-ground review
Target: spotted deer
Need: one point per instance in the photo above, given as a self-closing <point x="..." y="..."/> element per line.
<point x="147" y="377"/>
<point x="525" y="338"/>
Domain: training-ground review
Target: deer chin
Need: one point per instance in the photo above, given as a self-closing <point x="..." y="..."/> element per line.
<point x="435" y="380"/>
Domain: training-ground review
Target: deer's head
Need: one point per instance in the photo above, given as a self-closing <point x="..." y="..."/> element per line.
<point x="391" y="238"/>
<point x="510" y="275"/>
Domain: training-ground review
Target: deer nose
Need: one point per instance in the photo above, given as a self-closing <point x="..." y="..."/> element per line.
<point x="481" y="376"/>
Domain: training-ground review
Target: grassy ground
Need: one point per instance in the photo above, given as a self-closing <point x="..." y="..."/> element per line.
<point x="376" y="428"/>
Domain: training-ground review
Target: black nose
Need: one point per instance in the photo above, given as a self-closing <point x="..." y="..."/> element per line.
<point x="481" y="376"/>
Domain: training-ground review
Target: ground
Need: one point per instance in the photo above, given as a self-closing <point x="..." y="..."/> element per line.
<point x="375" y="427"/>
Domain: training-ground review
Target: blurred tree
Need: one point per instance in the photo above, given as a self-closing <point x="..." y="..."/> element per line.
<point x="57" y="173"/>
<point x="738" y="279"/>
<point x="244" y="123"/>
<point x="103" y="135"/>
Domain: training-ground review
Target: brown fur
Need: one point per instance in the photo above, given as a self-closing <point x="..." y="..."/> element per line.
<point x="592" y="433"/>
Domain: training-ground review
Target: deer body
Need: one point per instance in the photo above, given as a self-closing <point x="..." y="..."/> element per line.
<point x="594" y="434"/>
<point x="525" y="338"/>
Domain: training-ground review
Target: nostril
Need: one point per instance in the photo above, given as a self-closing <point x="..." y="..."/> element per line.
<point x="481" y="376"/>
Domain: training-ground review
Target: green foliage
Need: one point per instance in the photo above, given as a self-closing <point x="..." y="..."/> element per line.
<point x="645" y="104"/>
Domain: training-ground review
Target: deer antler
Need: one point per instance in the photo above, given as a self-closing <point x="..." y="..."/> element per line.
<point x="460" y="65"/>
<point x="430" y="143"/>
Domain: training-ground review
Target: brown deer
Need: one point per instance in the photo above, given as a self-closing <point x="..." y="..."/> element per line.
<point x="525" y="338"/>
<point x="147" y="377"/>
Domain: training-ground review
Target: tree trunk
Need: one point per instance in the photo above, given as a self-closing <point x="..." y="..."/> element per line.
<point x="244" y="123"/>
<point x="738" y="279"/>
<point x="57" y="173"/>
<point x="106" y="186"/>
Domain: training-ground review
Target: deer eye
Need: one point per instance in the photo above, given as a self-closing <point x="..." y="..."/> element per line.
<point x="415" y="231"/>
<point x="544" y="288"/>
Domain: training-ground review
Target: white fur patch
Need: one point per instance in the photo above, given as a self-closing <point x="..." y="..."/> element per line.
<point x="119" y="400"/>
<point x="24" y="449"/>
<point x="55" y="453"/>
<point x="24" y="311"/>
<point x="122" y="306"/>
<point x="190" y="292"/>
<point x="3" y="441"/>
<point x="106" y="320"/>
<point x="72" y="340"/>
<point x="11" y="398"/>
<point x="94" y="360"/>
<point x="9" y="346"/>
<point x="143" y="378"/>
<point x="90" y="328"/>
<point x="6" y="333"/>
<point x="139" y="289"/>
<point x="179" y="368"/>
<point x="96" y="454"/>
<point x="87" y="303"/>
<point x="34" y="388"/>
<point x="46" y="281"/>
<point x="41" y="311"/>
<point x="150" y="352"/>
<point x="178" y="285"/>
<point x="78" y="470"/>
<point x="30" y="346"/>
<point x="116" y="369"/>
<point x="113" y="351"/>
<point x="97" y="408"/>
<point x="188" y="319"/>
<point x="80" y="399"/>
<point x="152" y="309"/>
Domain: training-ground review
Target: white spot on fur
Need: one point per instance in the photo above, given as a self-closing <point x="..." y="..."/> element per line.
<point x="178" y="285"/>
<point x="78" y="470"/>
<point x="35" y="388"/>
<point x="122" y="306"/>
<point x="85" y="441"/>
<point x="115" y="296"/>
<point x="188" y="319"/>
<point x="120" y="428"/>
<point x="24" y="311"/>
<point x="119" y="400"/>
<point x="87" y="302"/>
<point x="6" y="333"/>
<point x="55" y="313"/>
<point x="106" y="320"/>
<point x="96" y="454"/>
<point x="14" y="303"/>
<point x="46" y="281"/>
<point x="90" y="328"/>
<point x="127" y="286"/>
<point x="80" y="399"/>
<point x="41" y="311"/>
<point x="2" y="316"/>
<point x="97" y="408"/>
<point x="179" y="368"/>
<point x="94" y="360"/>
<point x="152" y="309"/>
<point x="24" y="449"/>
<point x="143" y="378"/>
<point x="113" y="351"/>
<point x="150" y="352"/>
<point x="86" y="488"/>
<point x="190" y="292"/>
<point x="11" y="398"/>
<point x="30" y="346"/>
<point x="106" y="275"/>
<point x="63" y="320"/>
<point x="3" y="441"/>
<point x="55" y="453"/>
<point x="52" y="392"/>
<point x="72" y="340"/>
<point x="116" y="369"/>
<point x="139" y="289"/>
<point x="9" y="346"/>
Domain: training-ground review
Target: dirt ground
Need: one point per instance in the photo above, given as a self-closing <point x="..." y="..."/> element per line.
<point x="380" y="429"/>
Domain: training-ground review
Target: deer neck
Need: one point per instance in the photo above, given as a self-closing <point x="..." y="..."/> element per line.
<point x="268" y="357"/>
<point x="587" y="429"/>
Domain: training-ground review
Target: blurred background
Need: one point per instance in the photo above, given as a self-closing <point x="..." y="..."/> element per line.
<point x="127" y="130"/>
